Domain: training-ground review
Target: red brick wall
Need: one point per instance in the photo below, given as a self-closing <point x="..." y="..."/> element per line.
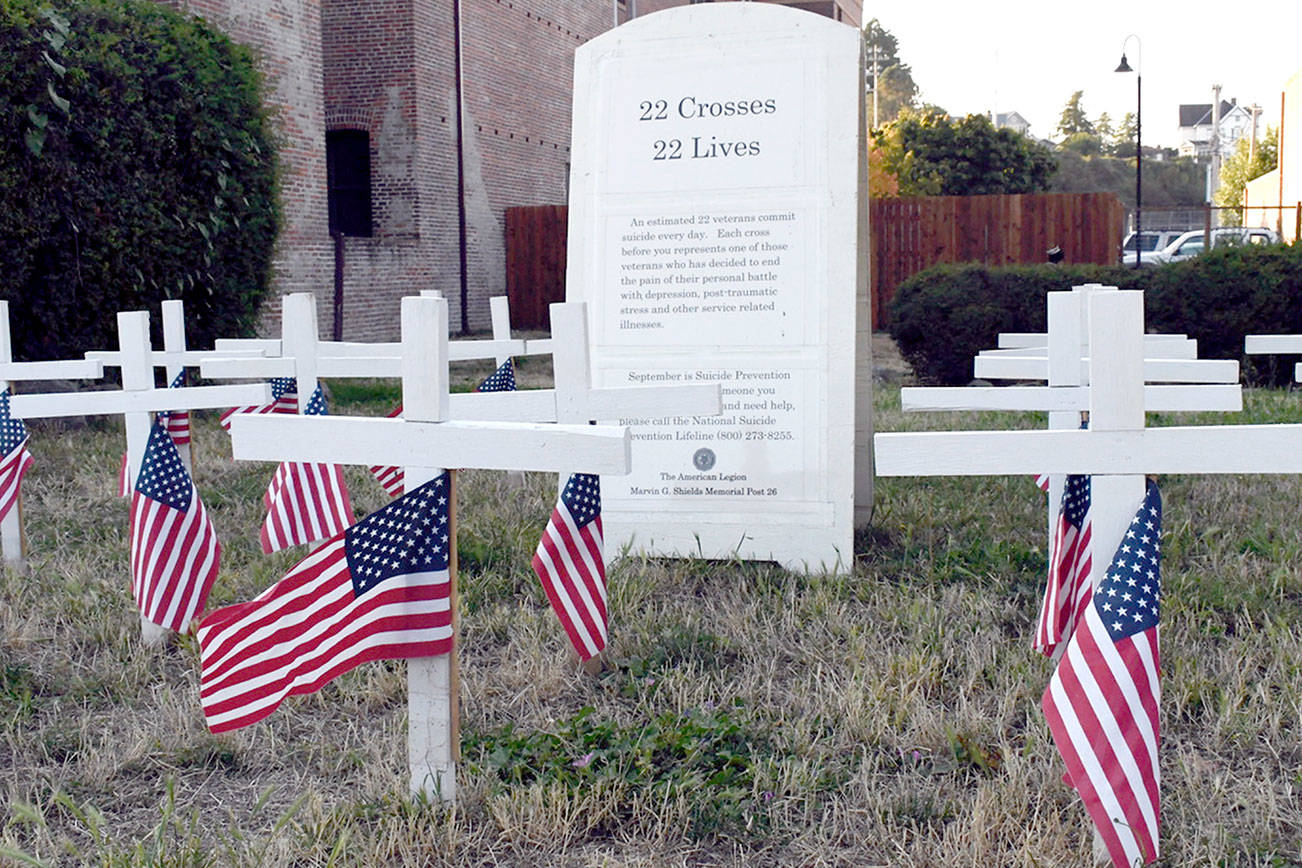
<point x="386" y="66"/>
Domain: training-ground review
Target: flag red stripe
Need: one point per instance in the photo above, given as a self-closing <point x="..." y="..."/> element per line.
<point x="12" y="469"/>
<point x="271" y="670"/>
<point x="569" y="563"/>
<point x="301" y="633"/>
<point x="1090" y="710"/>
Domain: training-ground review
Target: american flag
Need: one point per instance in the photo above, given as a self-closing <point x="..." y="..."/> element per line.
<point x="16" y="460"/>
<point x="379" y="590"/>
<point x="174" y="549"/>
<point x="390" y="478"/>
<point x="178" y="421"/>
<point x="501" y="380"/>
<point x="570" y="563"/>
<point x="1067" y="592"/>
<point x="305" y="502"/>
<point x="1101" y="703"/>
<point x="284" y="399"/>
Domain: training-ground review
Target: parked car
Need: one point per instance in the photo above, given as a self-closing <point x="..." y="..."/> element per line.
<point x="1150" y="241"/>
<point x="1190" y="244"/>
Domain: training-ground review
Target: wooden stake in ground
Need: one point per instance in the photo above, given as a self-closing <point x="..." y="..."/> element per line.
<point x="12" y="538"/>
<point x="1116" y="451"/>
<point x="135" y="402"/>
<point x="423" y="442"/>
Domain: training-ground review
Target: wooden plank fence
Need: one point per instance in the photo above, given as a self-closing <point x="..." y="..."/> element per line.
<point x="535" y="263"/>
<point x="907" y="236"/>
<point x="910" y="235"/>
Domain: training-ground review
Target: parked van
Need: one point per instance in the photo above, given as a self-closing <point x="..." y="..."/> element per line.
<point x="1190" y="244"/>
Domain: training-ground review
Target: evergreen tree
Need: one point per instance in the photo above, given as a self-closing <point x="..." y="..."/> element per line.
<point x="1073" y="119"/>
<point x="888" y="76"/>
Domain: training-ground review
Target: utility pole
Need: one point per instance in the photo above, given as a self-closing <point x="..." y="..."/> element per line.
<point x="1214" y="169"/>
<point x="1252" y="142"/>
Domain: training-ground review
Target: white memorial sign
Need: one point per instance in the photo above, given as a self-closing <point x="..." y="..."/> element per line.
<point x="715" y="216"/>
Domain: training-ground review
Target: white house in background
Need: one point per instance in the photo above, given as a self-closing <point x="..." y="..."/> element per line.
<point x="1196" y="128"/>
<point x="1012" y="121"/>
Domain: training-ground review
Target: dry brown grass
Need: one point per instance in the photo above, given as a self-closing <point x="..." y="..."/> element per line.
<point x="889" y="717"/>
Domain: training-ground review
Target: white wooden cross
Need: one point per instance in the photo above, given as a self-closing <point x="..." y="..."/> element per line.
<point x="12" y="539"/>
<point x="1167" y="358"/>
<point x="420" y="439"/>
<point x="135" y="401"/>
<point x="1275" y="345"/>
<point x="1066" y="396"/>
<point x="1116" y="451"/>
<point x="174" y="357"/>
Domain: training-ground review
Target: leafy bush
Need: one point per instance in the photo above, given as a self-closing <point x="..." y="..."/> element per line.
<point x="942" y="317"/>
<point x="136" y="164"/>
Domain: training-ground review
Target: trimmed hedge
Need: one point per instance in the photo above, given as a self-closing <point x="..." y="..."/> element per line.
<point x="136" y="164"/>
<point x="942" y="317"/>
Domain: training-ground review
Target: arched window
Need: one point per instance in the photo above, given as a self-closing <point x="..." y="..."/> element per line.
<point x="348" y="181"/>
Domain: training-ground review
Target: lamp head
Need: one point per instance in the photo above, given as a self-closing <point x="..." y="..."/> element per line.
<point x="1123" y="66"/>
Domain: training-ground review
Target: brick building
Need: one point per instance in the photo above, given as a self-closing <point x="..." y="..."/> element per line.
<point x="365" y="93"/>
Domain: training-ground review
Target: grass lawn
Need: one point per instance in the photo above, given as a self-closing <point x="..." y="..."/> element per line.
<point x="746" y="715"/>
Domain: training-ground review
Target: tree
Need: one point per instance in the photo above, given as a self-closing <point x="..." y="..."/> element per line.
<point x="1123" y="143"/>
<point x="137" y="163"/>
<point x="932" y="154"/>
<point x="1238" y="170"/>
<point x="888" y="76"/>
<point x="1073" y="119"/>
<point x="1171" y="183"/>
<point x="1085" y="144"/>
<point x="1103" y="129"/>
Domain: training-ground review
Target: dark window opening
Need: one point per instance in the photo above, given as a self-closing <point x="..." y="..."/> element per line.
<point x="348" y="181"/>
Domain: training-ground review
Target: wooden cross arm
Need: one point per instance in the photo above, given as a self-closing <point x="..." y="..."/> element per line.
<point x="1163" y="350"/>
<point x="1272" y="344"/>
<point x="1155" y="370"/>
<point x="1015" y="340"/>
<point x="165" y="358"/>
<point x="351" y="440"/>
<point x="1200" y="449"/>
<point x="116" y="401"/>
<point x="1164" y="398"/>
<point x="227" y="367"/>
<point x="458" y="351"/>
<point x="70" y="369"/>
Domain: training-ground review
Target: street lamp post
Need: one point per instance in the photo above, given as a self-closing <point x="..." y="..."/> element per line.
<point x="1139" y="132"/>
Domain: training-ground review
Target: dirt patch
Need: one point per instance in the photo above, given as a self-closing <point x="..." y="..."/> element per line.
<point x="888" y="365"/>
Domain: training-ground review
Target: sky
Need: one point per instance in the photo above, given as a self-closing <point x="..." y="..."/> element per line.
<point x="1029" y="57"/>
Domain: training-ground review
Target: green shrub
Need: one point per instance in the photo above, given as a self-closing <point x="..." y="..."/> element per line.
<point x="136" y="164"/>
<point x="942" y="317"/>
